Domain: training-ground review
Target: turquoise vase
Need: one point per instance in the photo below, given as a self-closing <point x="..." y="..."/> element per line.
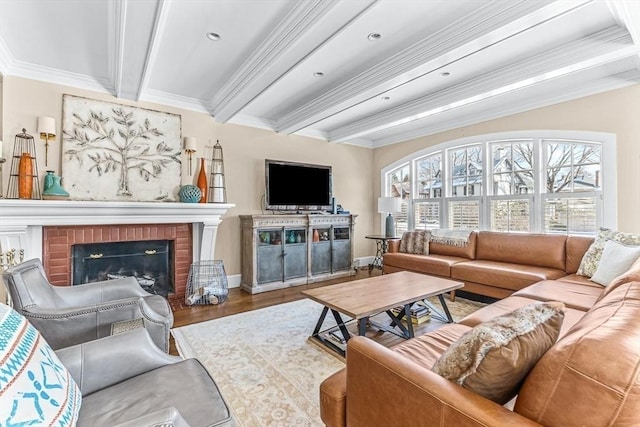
<point x="52" y="187"/>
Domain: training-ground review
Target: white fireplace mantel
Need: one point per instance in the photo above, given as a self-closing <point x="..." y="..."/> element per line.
<point x="21" y="221"/>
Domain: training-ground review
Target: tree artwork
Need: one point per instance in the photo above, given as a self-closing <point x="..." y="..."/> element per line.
<point x="133" y="153"/>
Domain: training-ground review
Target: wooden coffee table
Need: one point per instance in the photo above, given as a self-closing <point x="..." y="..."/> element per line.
<point x="361" y="299"/>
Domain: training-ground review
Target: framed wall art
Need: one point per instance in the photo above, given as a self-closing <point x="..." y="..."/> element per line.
<point x="119" y="153"/>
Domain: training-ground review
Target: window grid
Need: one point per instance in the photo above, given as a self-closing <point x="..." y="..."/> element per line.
<point x="516" y="192"/>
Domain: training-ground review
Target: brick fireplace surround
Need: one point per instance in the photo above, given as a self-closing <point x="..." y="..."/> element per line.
<point x="57" y="242"/>
<point x="46" y="229"/>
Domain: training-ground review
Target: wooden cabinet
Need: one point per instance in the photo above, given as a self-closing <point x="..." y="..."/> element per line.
<point x="280" y="251"/>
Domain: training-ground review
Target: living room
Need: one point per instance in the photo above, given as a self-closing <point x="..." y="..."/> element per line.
<point x="610" y="106"/>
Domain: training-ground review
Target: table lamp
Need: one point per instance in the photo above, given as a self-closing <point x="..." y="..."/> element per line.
<point x="389" y="205"/>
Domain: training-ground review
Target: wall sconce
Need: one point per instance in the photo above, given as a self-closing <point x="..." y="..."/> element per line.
<point x="47" y="131"/>
<point x="189" y="148"/>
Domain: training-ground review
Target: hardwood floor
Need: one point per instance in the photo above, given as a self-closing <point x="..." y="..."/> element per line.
<point x="240" y="301"/>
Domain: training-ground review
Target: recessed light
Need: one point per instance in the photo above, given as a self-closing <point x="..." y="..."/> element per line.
<point x="318" y="74"/>
<point x="374" y="36"/>
<point x="385" y="98"/>
<point x="445" y="74"/>
<point x="213" y="36"/>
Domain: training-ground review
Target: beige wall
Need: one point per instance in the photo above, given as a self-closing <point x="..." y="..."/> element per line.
<point x="245" y="150"/>
<point x="616" y="112"/>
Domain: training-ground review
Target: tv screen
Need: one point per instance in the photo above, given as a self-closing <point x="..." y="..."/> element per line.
<point x="297" y="186"/>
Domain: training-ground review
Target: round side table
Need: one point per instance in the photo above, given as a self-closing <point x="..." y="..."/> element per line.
<point x="382" y="245"/>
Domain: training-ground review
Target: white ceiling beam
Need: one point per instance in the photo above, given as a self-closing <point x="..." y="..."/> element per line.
<point x="117" y="23"/>
<point x="409" y="64"/>
<point x="604" y="47"/>
<point x="267" y="64"/>
<point x="160" y="22"/>
<point x="6" y="58"/>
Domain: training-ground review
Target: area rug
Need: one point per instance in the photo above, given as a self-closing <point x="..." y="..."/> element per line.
<point x="267" y="370"/>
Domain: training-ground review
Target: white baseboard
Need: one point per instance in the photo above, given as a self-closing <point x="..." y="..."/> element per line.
<point x="234" y="281"/>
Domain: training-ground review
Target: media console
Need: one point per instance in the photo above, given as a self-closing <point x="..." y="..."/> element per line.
<point x="280" y="251"/>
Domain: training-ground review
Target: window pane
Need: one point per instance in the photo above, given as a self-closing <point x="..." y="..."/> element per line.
<point x="510" y="215"/>
<point x="466" y="171"/>
<point x="427" y="215"/>
<point x="399" y="183"/>
<point x="429" y="171"/>
<point x="464" y="215"/>
<point x="559" y="180"/>
<point x="522" y="156"/>
<point x="558" y="155"/>
<point x="570" y="215"/>
<point x="585" y="154"/>
<point x="512" y="168"/>
<point x="402" y="220"/>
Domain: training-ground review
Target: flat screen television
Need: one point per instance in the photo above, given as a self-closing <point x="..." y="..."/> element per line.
<point x="297" y="186"/>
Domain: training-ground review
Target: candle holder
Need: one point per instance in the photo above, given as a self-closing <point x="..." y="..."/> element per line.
<point x="47" y="131"/>
<point x="217" y="191"/>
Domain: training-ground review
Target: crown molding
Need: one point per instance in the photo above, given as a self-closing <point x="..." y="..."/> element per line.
<point x="581" y="54"/>
<point x="251" y="121"/>
<point x="469" y="34"/>
<point x="526" y="104"/>
<point x="6" y="58"/>
<point x="300" y="19"/>
<point x="56" y="76"/>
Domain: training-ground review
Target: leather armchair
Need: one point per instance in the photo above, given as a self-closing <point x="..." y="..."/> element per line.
<point x="70" y="315"/>
<point x="126" y="381"/>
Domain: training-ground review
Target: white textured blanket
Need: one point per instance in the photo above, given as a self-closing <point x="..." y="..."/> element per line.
<point x="450" y="237"/>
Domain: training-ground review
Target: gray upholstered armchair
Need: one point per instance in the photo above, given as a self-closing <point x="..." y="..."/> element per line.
<point x="70" y="315"/>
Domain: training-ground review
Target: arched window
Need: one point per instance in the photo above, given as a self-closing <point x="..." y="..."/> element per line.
<point x="533" y="181"/>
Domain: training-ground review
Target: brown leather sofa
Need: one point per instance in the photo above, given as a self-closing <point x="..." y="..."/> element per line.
<point x="497" y="264"/>
<point x="591" y="376"/>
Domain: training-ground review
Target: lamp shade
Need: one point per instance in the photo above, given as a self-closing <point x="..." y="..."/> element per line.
<point x="47" y="125"/>
<point x="389" y="204"/>
<point x="190" y="143"/>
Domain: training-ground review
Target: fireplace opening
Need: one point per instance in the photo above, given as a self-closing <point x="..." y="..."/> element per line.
<point x="149" y="261"/>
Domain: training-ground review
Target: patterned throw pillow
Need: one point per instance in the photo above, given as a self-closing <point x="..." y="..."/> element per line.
<point x="35" y="388"/>
<point x="415" y="242"/>
<point x="591" y="258"/>
<point x="494" y="357"/>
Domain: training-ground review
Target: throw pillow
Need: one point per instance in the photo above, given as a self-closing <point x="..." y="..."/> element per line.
<point x="35" y="388"/>
<point x="415" y="242"/>
<point x="591" y="258"/>
<point x="494" y="357"/>
<point x="616" y="259"/>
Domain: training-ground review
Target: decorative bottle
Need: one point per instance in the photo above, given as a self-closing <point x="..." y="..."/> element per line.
<point x="202" y="181"/>
<point x="25" y="176"/>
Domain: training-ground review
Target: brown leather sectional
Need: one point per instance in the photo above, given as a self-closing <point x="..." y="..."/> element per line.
<point x="591" y="376"/>
<point x="497" y="264"/>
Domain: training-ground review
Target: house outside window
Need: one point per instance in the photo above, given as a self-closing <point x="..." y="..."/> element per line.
<point x="530" y="181"/>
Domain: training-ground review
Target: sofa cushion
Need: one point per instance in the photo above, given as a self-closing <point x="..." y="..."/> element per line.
<point x="573" y="295"/>
<point x="415" y="242"/>
<point x="425" y="349"/>
<point x="502" y="274"/>
<point x="542" y="250"/>
<point x="200" y="405"/>
<point x="35" y="388"/>
<point x="439" y="265"/>
<point x="632" y="275"/>
<point x="600" y="359"/>
<point x="467" y="251"/>
<point x="615" y="260"/>
<point x="591" y="259"/>
<point x="493" y="358"/>
<point x="576" y="278"/>
<point x="576" y="246"/>
<point x="507" y="305"/>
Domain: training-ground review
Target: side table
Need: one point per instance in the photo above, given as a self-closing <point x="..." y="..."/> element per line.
<point x="382" y="245"/>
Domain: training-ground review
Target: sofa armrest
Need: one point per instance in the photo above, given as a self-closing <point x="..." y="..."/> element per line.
<point x="393" y="245"/>
<point x="86" y="362"/>
<point x="100" y="292"/>
<point x="383" y="388"/>
<point x="165" y="417"/>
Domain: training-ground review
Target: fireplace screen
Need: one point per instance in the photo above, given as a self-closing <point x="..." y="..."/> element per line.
<point x="149" y="261"/>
